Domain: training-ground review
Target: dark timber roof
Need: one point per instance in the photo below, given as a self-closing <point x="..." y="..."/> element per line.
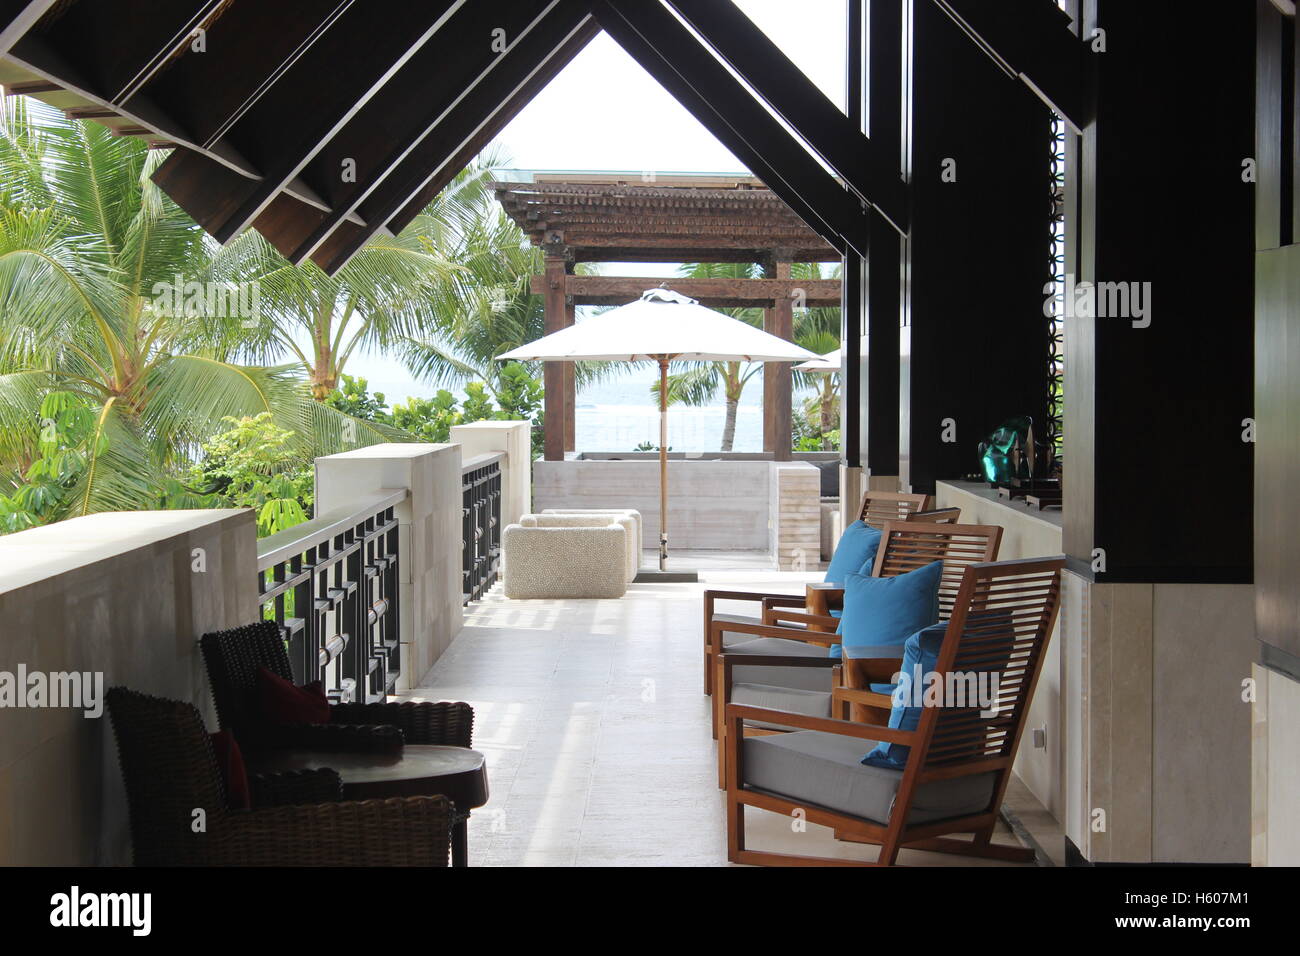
<point x="324" y="122"/>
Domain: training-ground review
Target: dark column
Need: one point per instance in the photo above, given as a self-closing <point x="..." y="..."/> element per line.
<point x="1277" y="348"/>
<point x="879" y="287"/>
<point x="1157" y="473"/>
<point x="852" y="318"/>
<point x="554" y="375"/>
<point x="976" y="259"/>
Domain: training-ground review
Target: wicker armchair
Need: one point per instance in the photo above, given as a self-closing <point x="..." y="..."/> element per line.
<point x="232" y="659"/>
<point x="298" y="819"/>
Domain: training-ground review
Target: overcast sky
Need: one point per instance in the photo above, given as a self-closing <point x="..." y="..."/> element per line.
<point x="603" y="112"/>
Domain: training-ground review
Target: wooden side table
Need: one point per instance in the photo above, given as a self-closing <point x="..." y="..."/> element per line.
<point x="420" y="770"/>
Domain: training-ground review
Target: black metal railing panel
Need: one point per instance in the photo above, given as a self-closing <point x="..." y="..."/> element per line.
<point x="480" y="525"/>
<point x="331" y="584"/>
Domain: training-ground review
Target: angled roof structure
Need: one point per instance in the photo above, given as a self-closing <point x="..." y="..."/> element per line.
<point x="324" y="122"/>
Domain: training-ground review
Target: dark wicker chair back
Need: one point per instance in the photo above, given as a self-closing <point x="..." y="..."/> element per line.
<point x="297" y="817"/>
<point x="232" y="659"/>
<point x="169" y="769"/>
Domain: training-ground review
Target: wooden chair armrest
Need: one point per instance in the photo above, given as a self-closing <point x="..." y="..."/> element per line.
<point x="769" y="630"/>
<point x="859" y="695"/>
<point x="713" y="595"/>
<point x="783" y="600"/>
<point x="824" y="597"/>
<point x="805" y="617"/>
<point x="860" y="671"/>
<point x="737" y="714"/>
<point x="730" y="661"/>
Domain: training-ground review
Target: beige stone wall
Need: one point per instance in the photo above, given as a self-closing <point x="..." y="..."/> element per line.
<point x="514" y="440"/>
<point x="127" y="595"/>
<point x="429" y="534"/>
<point x="1275" y="770"/>
<point x="1160" y="733"/>
<point x="796" y="515"/>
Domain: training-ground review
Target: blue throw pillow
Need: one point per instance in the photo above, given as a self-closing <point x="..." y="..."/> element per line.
<point x="856" y="550"/>
<point x="884" y="611"/>
<point x="920" y="655"/>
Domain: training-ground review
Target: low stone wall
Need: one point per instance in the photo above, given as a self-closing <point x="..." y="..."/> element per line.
<point x="714" y="505"/>
<point x="125" y="595"/>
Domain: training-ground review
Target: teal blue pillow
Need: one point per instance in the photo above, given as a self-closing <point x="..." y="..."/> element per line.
<point x="882" y="612"/>
<point x="920" y="655"/>
<point x="856" y="550"/>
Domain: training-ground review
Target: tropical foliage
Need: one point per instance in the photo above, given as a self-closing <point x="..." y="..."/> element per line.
<point x="91" y="252"/>
<point x="815" y="329"/>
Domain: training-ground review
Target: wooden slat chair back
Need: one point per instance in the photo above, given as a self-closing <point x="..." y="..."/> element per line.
<point x="935" y="515"/>
<point x="879" y="507"/>
<point x="908" y="545"/>
<point x="1001" y="624"/>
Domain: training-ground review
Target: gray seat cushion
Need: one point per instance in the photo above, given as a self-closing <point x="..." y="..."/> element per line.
<point x="792" y="700"/>
<point x="729" y="637"/>
<point x="826" y="770"/>
<point x="800" y="678"/>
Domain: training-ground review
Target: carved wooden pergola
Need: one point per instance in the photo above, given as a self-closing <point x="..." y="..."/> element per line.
<point x="667" y="218"/>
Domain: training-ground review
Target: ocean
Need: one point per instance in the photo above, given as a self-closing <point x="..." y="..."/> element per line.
<point x="618" y="413"/>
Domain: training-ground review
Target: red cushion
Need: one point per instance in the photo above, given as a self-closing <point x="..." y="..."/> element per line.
<point x="284" y="703"/>
<point x="231" y="763"/>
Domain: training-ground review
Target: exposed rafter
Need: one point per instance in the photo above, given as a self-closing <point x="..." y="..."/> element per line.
<point x="869" y="172"/>
<point x="323" y="123"/>
<point x="1030" y="40"/>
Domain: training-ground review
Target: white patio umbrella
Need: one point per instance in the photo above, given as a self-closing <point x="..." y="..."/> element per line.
<point x="662" y="326"/>
<point x="830" y="362"/>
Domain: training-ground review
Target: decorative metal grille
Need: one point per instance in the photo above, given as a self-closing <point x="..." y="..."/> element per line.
<point x="1056" y="265"/>
<point x="331" y="585"/>
<point x="481" y="525"/>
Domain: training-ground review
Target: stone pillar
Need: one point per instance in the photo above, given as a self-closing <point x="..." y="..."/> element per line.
<point x="429" y="535"/>
<point x="514" y="439"/>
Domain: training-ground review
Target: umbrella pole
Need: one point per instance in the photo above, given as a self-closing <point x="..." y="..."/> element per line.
<point x="663" y="464"/>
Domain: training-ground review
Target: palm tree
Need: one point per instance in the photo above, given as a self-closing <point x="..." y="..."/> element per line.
<point x="87" y="242"/>
<point x="485" y="307"/>
<point x="394" y="291"/>
<point x="818" y="330"/>
<point x="814" y="329"/>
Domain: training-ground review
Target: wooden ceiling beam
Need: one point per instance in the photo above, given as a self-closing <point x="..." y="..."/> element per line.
<point x="466" y="129"/>
<point x="682" y="65"/>
<point x="631" y="253"/>
<point x="586" y="290"/>
<point x="870" y="173"/>
<point x="306" y="107"/>
<point x="409" y="109"/>
<point x="1032" y="41"/>
<point x="246" y="51"/>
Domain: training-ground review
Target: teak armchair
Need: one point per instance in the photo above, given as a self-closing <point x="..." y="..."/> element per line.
<point x="298" y="818"/>
<point x="232" y="659"/>
<point x="878" y="507"/>
<point x="759" y="671"/>
<point x="960" y="757"/>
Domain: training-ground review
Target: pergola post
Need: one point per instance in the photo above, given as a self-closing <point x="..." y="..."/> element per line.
<point x="777" y="392"/>
<point x="555" y="382"/>
<point x="570" y="370"/>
